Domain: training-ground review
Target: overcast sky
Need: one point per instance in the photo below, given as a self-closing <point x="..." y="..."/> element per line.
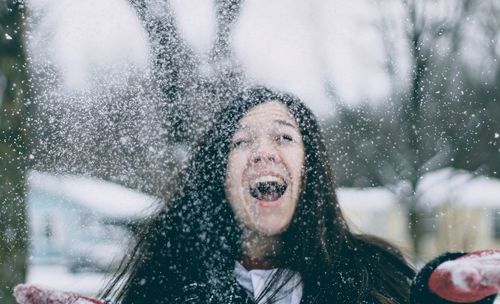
<point x="294" y="45"/>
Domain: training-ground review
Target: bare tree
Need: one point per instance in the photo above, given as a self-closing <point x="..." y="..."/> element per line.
<point x="190" y="95"/>
<point x="444" y="114"/>
<point x="430" y="119"/>
<point x="13" y="151"/>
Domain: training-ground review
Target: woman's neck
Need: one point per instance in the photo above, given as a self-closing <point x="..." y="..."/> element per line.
<point x="258" y="246"/>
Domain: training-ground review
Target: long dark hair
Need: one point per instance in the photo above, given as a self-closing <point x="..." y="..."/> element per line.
<point x="186" y="253"/>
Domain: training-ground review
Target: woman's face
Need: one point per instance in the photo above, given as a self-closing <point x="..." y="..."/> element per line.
<point x="263" y="176"/>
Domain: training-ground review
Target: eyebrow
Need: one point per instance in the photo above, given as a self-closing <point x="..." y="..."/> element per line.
<point x="278" y="121"/>
<point x="285" y="123"/>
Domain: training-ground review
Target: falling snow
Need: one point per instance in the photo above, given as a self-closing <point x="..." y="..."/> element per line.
<point x="119" y="94"/>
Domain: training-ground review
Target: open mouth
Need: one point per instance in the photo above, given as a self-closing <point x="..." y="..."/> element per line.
<point x="268" y="188"/>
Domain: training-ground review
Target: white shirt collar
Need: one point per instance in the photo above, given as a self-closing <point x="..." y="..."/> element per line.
<point x="254" y="282"/>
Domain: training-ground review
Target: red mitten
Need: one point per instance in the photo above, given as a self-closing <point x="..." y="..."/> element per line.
<point x="31" y="294"/>
<point x="469" y="278"/>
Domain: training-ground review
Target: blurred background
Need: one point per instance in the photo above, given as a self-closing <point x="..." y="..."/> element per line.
<point x="100" y="101"/>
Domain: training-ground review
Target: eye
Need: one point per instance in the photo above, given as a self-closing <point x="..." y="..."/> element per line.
<point x="284" y="138"/>
<point x="240" y="143"/>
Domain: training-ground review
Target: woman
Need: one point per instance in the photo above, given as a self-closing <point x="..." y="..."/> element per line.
<point x="255" y="219"/>
<point x="218" y="216"/>
<point x="259" y="190"/>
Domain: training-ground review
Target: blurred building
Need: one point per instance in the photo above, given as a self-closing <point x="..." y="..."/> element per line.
<point x="86" y="223"/>
<point x="80" y="222"/>
<point x="461" y="211"/>
<point x="376" y="211"/>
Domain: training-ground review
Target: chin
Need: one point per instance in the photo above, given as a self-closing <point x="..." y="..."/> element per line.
<point x="271" y="229"/>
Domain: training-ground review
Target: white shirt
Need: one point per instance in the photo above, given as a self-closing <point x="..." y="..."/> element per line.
<point x="254" y="282"/>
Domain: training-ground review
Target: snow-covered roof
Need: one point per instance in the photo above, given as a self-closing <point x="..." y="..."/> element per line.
<point x="366" y="198"/>
<point x="103" y="197"/>
<point x="458" y="187"/>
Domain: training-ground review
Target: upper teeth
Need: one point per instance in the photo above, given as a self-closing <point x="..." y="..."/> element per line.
<point x="268" y="178"/>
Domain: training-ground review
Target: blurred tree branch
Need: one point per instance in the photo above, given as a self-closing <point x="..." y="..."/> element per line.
<point x="192" y="90"/>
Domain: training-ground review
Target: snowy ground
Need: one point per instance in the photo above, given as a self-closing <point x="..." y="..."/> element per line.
<point x="58" y="277"/>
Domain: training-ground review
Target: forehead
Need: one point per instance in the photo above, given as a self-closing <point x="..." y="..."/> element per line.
<point x="268" y="113"/>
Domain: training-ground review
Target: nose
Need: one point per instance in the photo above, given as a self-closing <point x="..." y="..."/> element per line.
<point x="264" y="152"/>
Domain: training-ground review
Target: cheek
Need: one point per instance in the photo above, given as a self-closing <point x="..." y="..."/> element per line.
<point x="234" y="174"/>
<point x="295" y="161"/>
<point x="235" y="167"/>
